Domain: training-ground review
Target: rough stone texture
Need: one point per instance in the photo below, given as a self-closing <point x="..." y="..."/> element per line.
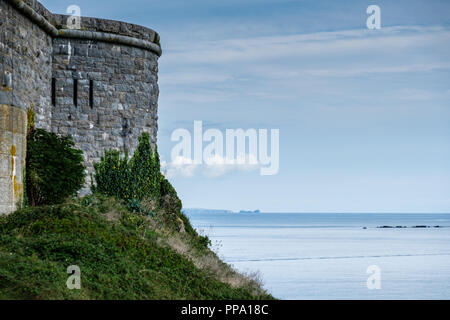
<point x="13" y="124"/>
<point x="40" y="9"/>
<point x="124" y="80"/>
<point x="25" y="53"/>
<point x="110" y="26"/>
<point x="125" y="96"/>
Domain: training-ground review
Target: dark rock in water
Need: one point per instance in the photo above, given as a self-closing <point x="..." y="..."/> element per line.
<point x="401" y="227"/>
<point x="364" y="227"/>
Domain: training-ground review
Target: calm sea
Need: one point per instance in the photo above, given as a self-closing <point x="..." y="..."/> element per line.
<point x="326" y="256"/>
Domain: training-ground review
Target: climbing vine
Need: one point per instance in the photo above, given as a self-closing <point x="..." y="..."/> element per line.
<point x="136" y="179"/>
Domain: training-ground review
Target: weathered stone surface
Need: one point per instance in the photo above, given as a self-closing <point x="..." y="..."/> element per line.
<point x="117" y="89"/>
<point x="13" y="123"/>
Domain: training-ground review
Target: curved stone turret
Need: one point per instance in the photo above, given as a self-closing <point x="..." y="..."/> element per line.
<point x="97" y="83"/>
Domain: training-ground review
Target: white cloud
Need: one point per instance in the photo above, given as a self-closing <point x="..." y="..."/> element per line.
<point x="213" y="72"/>
<point x="301" y="45"/>
<point x="344" y="71"/>
<point x="181" y="166"/>
<point x="213" y="167"/>
<point x="218" y="166"/>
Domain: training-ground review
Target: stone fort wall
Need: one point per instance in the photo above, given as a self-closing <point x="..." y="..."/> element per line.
<point x="98" y="84"/>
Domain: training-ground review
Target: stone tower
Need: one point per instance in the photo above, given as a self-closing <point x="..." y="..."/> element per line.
<point x="97" y="83"/>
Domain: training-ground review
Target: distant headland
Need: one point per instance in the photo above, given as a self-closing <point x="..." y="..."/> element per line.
<point x="217" y="211"/>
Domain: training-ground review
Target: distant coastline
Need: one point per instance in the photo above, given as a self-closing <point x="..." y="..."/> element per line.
<point x="218" y="211"/>
<point x="245" y="211"/>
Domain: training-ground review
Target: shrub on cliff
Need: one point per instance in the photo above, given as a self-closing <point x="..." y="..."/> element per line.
<point x="130" y="180"/>
<point x="140" y="183"/>
<point x="54" y="168"/>
<point x="145" y="170"/>
<point x="136" y="179"/>
<point x="112" y="176"/>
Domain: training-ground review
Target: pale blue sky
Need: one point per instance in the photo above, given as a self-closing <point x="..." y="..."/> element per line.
<point x="364" y="115"/>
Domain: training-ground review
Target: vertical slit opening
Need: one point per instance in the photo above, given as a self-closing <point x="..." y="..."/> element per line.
<point x="91" y="93"/>
<point x="53" y="92"/>
<point x="75" y="92"/>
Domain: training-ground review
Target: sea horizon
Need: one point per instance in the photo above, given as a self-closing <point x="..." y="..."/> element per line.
<point x="327" y="255"/>
<point x="206" y="210"/>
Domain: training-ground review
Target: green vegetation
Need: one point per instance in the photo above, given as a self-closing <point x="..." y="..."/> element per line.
<point x="122" y="255"/>
<point x="148" y="192"/>
<point x="114" y="174"/>
<point x="129" y="238"/>
<point x="54" y="168"/>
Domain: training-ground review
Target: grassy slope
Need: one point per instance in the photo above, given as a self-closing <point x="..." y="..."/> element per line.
<point x="121" y="256"/>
